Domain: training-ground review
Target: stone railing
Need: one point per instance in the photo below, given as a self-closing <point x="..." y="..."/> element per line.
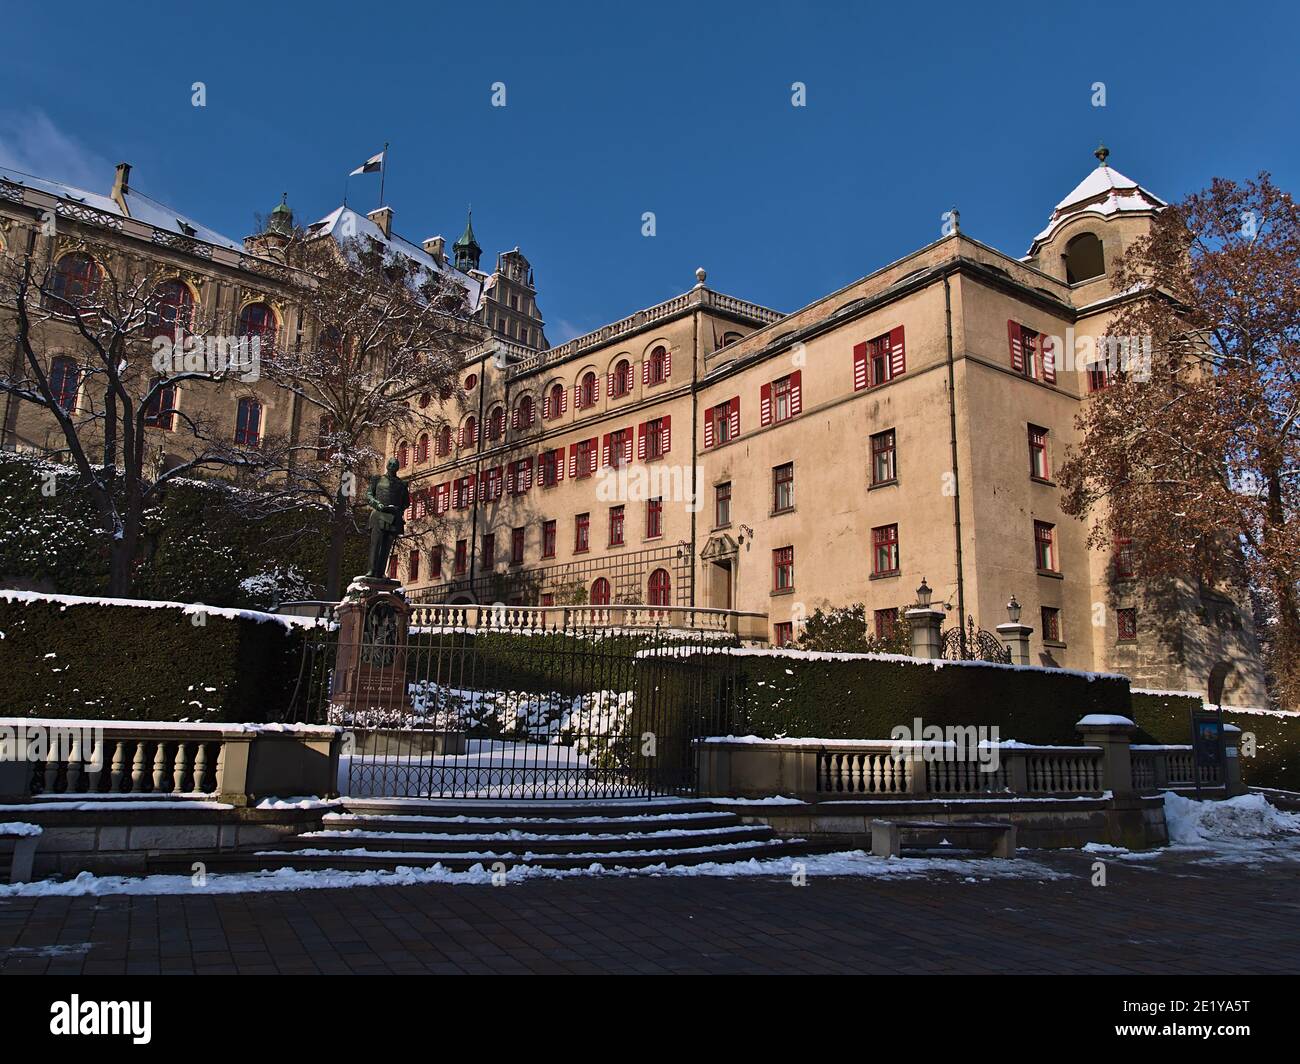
<point x="819" y="770"/>
<point x="1161" y="768"/>
<point x="234" y="763"/>
<point x="524" y="619"/>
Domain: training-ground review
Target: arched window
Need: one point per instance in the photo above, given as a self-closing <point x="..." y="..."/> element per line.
<point x="422" y="448"/>
<point x="496" y="423"/>
<point x="660" y="587"/>
<point x="600" y="592"/>
<point x="258" y="320"/>
<point x="75" y="281"/>
<point x="557" y="399"/>
<point x="622" y="378"/>
<point x="658" y="365"/>
<point x="65" y="380"/>
<point x="470" y="381"/>
<point x="730" y="338"/>
<point x="587" y="391"/>
<point x="444" y="441"/>
<point x="524" y="413"/>
<point x="469" y="433"/>
<point x="403" y="455"/>
<point x="158" y="411"/>
<point x="173" y="310"/>
<point x="425" y="399"/>
<point x="248" y="422"/>
<point x="1084" y="258"/>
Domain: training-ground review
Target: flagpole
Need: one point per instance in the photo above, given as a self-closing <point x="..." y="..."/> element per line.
<point x="383" y="172"/>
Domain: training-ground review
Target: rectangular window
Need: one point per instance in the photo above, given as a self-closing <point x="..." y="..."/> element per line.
<point x="548" y="539"/>
<point x="1045" y="546"/>
<point x="783" y="488"/>
<point x="654" y="518"/>
<point x="581" y="533"/>
<point x="586" y="455"/>
<point x="1098" y="378"/>
<point x="435" y="563"/>
<point x="886" y="623"/>
<point x="783" y="569"/>
<point x="783" y="633"/>
<point x="654" y="430"/>
<point x="620" y="447"/>
<point x="1051" y="624"/>
<point x="516" y="546"/>
<point x="1039" y="468"/>
<point x="1123" y="558"/>
<point x="884" y="550"/>
<point x="1029" y="351"/>
<point x="550" y="468"/>
<point x="722" y="505"/>
<point x="413" y="566"/>
<point x="781" y="399"/>
<point x="489" y="551"/>
<point x="1127" y="621"/>
<point x="884" y="468"/>
<point x="878" y="354"/>
<point x="616" y="526"/>
<point x="722" y="423"/>
<point x="548" y="598"/>
<point x="462" y="556"/>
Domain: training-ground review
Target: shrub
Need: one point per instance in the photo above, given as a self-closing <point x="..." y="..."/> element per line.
<point x="846" y="630"/>
<point x="79" y="659"/>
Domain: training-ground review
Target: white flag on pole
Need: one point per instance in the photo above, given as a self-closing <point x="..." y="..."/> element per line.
<point x="370" y="166"/>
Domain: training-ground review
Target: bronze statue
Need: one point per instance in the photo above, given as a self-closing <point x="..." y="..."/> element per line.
<point x="388" y="498"/>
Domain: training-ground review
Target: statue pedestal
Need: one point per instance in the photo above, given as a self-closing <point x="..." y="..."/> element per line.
<point x="369" y="684"/>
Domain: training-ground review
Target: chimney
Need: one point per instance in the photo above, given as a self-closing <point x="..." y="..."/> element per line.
<point x="121" y="185"/>
<point x="437" y="247"/>
<point x="383" y="217"/>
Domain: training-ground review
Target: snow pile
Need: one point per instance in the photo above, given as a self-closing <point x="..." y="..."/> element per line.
<point x="17" y="829"/>
<point x="1212" y="825"/>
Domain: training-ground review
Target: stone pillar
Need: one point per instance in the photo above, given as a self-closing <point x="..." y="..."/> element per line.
<point x="1114" y="735"/>
<point x="370" y="671"/>
<point x="927" y="632"/>
<point x="1016" y="637"/>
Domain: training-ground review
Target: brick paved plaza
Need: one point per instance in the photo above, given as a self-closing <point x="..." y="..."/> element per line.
<point x="1170" y="914"/>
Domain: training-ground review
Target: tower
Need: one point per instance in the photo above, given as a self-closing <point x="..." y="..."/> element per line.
<point x="466" y="250"/>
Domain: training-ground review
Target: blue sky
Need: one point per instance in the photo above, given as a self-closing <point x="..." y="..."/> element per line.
<point x="683" y="109"/>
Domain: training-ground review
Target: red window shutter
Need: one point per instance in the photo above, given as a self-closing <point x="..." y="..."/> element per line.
<point x="708" y="427"/>
<point x="796" y="392"/>
<point x="859" y="366"/>
<point x="514" y="418"/>
<point x="897" y="354"/>
<point x="735" y="417"/>
<point x="640" y="441"/>
<point x="627" y="445"/>
<point x="546" y="406"/>
<point x="765" y="405"/>
<point x="630" y="372"/>
<point x="668" y="363"/>
<point x="668" y="433"/>
<point x="559" y="464"/>
<point x="645" y="372"/>
<point x="577" y="397"/>
<point x="609" y="385"/>
<point x="604" y="451"/>
<point x="592" y="454"/>
<point x="528" y="473"/>
<point x="573" y="459"/>
<point x="1017" y="349"/>
<point x="564" y="400"/>
<point x="471" y="483"/>
<point x="1048" y="349"/>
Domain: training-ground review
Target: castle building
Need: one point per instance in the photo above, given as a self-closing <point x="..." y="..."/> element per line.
<point x="711" y="453"/>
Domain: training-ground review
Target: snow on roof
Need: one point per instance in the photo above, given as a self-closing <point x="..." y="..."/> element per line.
<point x="1104" y="191"/>
<point x="344" y="218"/>
<point x="140" y="206"/>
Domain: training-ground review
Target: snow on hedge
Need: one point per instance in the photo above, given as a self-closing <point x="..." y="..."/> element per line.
<point x="186" y="608"/>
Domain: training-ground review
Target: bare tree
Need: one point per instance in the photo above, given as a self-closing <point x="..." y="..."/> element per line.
<point x="380" y="358"/>
<point x="101" y="342"/>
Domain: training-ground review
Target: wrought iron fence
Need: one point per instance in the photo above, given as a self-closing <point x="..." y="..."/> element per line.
<point x="974" y="644"/>
<point x="481" y="710"/>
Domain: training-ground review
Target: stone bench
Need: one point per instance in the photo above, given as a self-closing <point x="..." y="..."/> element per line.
<point x="18" y="845"/>
<point x="996" y="837"/>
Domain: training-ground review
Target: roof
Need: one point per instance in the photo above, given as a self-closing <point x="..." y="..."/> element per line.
<point x="1105" y="191"/>
<point x="140" y="206"/>
<point x="334" y="223"/>
<point x="466" y="239"/>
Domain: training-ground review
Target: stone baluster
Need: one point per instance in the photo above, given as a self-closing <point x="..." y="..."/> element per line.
<point x="96" y="770"/>
<point x="181" y="780"/>
<point x="137" y="768"/>
<point x="160" y="767"/>
<point x="73" y="778"/>
<point x="201" y="767"/>
<point x="117" y="767"/>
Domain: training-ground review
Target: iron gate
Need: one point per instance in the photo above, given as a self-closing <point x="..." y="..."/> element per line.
<point x="547" y="712"/>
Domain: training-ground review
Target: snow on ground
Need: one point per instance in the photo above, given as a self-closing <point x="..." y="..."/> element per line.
<point x="848" y="863"/>
<point x="1242" y="830"/>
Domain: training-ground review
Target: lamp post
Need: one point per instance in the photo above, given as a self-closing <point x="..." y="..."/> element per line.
<point x="1014" y="634"/>
<point x="926" y="623"/>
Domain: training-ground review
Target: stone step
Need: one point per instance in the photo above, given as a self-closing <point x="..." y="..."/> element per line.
<point x="381" y="860"/>
<point x="524" y="810"/>
<point x="551" y="825"/>
<point x="672" y="839"/>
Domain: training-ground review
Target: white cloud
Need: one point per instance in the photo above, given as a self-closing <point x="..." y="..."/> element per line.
<point x="32" y="143"/>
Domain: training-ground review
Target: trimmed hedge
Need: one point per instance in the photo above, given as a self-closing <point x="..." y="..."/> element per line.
<point x="97" y="660"/>
<point x="1163" y="717"/>
<point x="865" y="697"/>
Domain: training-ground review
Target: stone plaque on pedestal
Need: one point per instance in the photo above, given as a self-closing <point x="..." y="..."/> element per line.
<point x="369" y="683"/>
